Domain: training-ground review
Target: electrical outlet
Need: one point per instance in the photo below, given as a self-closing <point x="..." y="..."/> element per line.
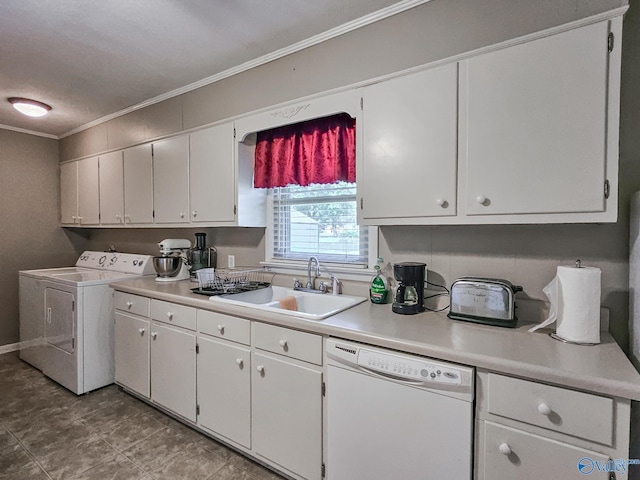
<point x="231" y="261"/>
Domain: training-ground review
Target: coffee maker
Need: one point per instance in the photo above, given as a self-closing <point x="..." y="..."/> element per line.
<point x="409" y="296"/>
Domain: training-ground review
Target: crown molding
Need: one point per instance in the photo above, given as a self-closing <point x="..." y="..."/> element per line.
<point x="29" y="132"/>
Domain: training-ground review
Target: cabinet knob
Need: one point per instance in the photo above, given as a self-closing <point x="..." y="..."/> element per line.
<point x="283" y="343"/>
<point x="127" y="217"/>
<point x="154" y="335"/>
<point x="141" y="330"/>
<point x="440" y="202"/>
<point x="119" y="218"/>
<point x="129" y="305"/>
<point x="79" y="219"/>
<point x="194" y="213"/>
<point x="170" y="315"/>
<point x="221" y="329"/>
<point x="544" y="409"/>
<point x="239" y="362"/>
<point x="481" y="199"/>
<point x="505" y="449"/>
<point x="260" y="368"/>
<point x="181" y="214"/>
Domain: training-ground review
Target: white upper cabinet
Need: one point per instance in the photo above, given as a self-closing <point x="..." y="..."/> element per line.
<point x="171" y="180"/>
<point x="407" y="170"/>
<point x="212" y="181"/>
<point x="534" y="136"/>
<point x="138" y="185"/>
<point x="111" y="189"/>
<point x="79" y="186"/>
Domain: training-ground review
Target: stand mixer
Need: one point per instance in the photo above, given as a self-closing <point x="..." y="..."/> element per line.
<point x="173" y="264"/>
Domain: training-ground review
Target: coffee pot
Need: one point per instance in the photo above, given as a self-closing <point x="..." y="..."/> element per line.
<point x="409" y="294"/>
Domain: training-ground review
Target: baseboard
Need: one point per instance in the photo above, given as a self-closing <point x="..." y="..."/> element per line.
<point x="12" y="347"/>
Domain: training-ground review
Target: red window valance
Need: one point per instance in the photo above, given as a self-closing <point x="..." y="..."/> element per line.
<point x="322" y="150"/>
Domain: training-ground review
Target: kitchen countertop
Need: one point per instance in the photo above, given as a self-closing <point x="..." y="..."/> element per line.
<point x="602" y="368"/>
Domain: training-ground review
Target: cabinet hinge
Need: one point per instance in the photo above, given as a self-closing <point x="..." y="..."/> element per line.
<point x="235" y="209"/>
<point x="152" y="149"/>
<point x="610" y="42"/>
<point x="234" y="132"/>
<point x="197" y="348"/>
<point x="153" y="213"/>
<point x="324" y="389"/>
<point x="73" y="305"/>
<point x="197" y="409"/>
<point x="323" y="470"/>
<point x="607" y="189"/>
<point x="361" y="203"/>
<point x="361" y="103"/>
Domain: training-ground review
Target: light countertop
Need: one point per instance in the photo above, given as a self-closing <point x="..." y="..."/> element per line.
<point x="602" y="368"/>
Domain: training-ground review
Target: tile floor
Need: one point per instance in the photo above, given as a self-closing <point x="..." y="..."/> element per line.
<point x="47" y="432"/>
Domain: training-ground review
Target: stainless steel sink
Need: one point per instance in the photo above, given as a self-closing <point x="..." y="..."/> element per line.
<point x="312" y="306"/>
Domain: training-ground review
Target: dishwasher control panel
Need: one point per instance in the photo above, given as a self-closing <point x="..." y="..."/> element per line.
<point x="408" y="368"/>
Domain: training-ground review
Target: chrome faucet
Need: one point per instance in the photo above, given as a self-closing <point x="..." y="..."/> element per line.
<point x="311" y="282"/>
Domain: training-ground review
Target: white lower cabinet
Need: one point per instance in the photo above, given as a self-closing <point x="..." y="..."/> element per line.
<point x="529" y="430"/>
<point x="224" y="389"/>
<point x="287" y="414"/>
<point x="131" y="352"/>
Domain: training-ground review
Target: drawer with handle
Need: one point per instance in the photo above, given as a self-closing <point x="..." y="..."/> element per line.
<point x="513" y="454"/>
<point x="224" y="326"/>
<point x="174" y="314"/>
<point x="554" y="408"/>
<point x="128" y="302"/>
<point x="290" y="343"/>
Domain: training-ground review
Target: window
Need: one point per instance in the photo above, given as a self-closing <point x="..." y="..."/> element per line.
<point x="319" y="220"/>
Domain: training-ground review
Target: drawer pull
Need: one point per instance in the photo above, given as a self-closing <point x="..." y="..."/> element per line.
<point x="260" y="368"/>
<point x="239" y="362"/>
<point x="505" y="449"/>
<point x="141" y="330"/>
<point x="170" y="315"/>
<point x="154" y="335"/>
<point x="221" y="329"/>
<point x="283" y="343"/>
<point x="544" y="409"/>
<point x="129" y="305"/>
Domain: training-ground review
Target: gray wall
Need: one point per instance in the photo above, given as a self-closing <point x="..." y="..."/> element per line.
<point x="29" y="213"/>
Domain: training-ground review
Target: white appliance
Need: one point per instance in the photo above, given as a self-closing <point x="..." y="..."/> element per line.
<point x="66" y="317"/>
<point x="392" y="415"/>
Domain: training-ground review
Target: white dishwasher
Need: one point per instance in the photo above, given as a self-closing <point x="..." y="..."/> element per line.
<point x="397" y="416"/>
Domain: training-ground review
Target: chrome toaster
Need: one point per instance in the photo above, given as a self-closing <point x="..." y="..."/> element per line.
<point x="484" y="300"/>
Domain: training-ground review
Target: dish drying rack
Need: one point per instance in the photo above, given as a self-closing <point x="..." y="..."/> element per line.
<point x="221" y="281"/>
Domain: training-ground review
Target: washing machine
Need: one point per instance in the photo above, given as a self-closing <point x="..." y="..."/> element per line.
<point x="66" y="317"/>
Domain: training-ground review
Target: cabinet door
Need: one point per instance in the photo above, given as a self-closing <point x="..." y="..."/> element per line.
<point x="287" y="415"/>
<point x="59" y="327"/>
<point x="171" y="180"/>
<point x="410" y="146"/>
<point x="212" y="174"/>
<point x="88" y="192"/>
<point x="533" y="122"/>
<point x="69" y="193"/>
<point x="224" y="389"/>
<point x="131" y="353"/>
<point x="138" y="185"/>
<point x="173" y="370"/>
<point x="510" y="454"/>
<point x="111" y="189"/>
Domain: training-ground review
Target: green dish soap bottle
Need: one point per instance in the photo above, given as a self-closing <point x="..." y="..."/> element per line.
<point x="379" y="290"/>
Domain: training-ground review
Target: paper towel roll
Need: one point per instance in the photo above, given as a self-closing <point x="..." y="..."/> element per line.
<point x="574" y="296"/>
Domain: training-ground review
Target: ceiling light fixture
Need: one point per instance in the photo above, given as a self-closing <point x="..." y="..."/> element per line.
<point x="32" y="108"/>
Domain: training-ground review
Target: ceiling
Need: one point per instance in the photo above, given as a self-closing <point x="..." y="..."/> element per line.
<point x="90" y="60"/>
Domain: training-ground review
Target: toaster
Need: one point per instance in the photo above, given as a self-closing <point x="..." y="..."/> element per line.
<point x="484" y="300"/>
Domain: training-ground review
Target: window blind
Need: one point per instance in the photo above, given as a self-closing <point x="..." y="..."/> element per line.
<point x="318" y="220"/>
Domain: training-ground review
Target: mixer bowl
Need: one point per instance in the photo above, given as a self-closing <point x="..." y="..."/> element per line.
<point x="167" y="266"/>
